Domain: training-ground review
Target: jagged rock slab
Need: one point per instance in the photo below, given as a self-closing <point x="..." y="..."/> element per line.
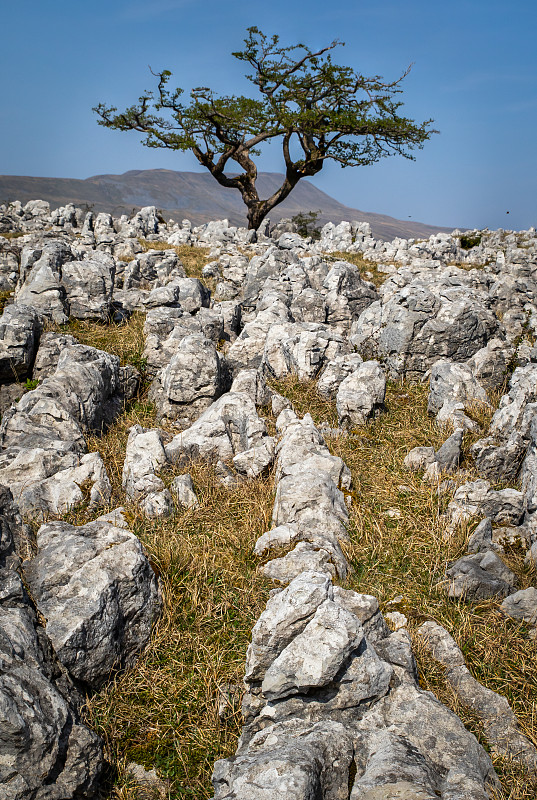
<point x="98" y="593"/>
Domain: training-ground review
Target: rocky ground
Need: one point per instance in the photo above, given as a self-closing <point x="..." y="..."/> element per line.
<point x="268" y="511"/>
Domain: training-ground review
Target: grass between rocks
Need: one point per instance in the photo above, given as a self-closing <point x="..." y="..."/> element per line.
<point x="178" y="709"/>
<point x="125" y="340"/>
<point x="398" y="549"/>
<point x="193" y="259"/>
<point x="368" y="269"/>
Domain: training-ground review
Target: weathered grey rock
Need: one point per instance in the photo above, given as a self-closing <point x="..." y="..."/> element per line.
<point x="309" y="306"/>
<point x="47" y="753"/>
<point x="303" y="558"/>
<point x="456" y="383"/>
<point x="287" y="613"/>
<point x="522" y="606"/>
<point x="490" y="364"/>
<point x="247" y="351"/>
<point x="300" y="349"/>
<point x="478" y="499"/>
<point x="256" y="460"/>
<point x="144" y="456"/>
<point x="20" y="329"/>
<point x="193" y="379"/>
<point x="316" y="654"/>
<point x="500" y="455"/>
<point x="335" y="373"/>
<point x="182" y="488"/>
<point x="229" y="426"/>
<point x="81" y="395"/>
<point x="366" y="608"/>
<point x="318" y="547"/>
<point x="253" y="383"/>
<point x="10" y="393"/>
<point x="193" y="295"/>
<point x="452" y="414"/>
<point x="419" y="458"/>
<point x="155" y="504"/>
<point x="310" y="499"/>
<point x="347" y="295"/>
<point x="98" y="593"/>
<point x="528" y="472"/>
<point x="410" y="745"/>
<point x="290" y="760"/>
<point x="361" y="394"/>
<point x="481" y="539"/>
<point x="510" y="414"/>
<point x="153" y="265"/>
<point x="302" y="448"/>
<point x="433" y="316"/>
<point x="50" y="346"/>
<point x="499" y="722"/>
<point x="478" y="577"/>
<point x="41" y="286"/>
<point x="166" y="327"/>
<point x="449" y="454"/>
<point x="162" y="297"/>
<point x="57" y="494"/>
<point x="499" y="462"/>
<point x="88" y="286"/>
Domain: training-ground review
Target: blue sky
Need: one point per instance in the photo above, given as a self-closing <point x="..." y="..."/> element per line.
<point x="475" y="73"/>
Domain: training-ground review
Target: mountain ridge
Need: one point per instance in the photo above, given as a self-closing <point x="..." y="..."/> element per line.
<point x="198" y="197"/>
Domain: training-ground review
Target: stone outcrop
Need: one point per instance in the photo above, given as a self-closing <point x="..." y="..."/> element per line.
<point x="333" y="708"/>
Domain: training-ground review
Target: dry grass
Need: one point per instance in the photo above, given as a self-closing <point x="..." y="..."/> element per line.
<point x="125" y="340"/>
<point x="407" y="555"/>
<point x="193" y="259"/>
<point x="368" y="269"/>
<point x="164" y="712"/>
<point x="12" y="234"/>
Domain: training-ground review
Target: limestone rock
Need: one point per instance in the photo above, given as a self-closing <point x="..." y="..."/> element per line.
<point x="361" y="394"/>
<point x="20" y="329"/>
<point x="98" y="593"/>
<point x="182" y="488"/>
<point x="478" y="577"/>
<point x="193" y="379"/>
<point x="522" y="606"/>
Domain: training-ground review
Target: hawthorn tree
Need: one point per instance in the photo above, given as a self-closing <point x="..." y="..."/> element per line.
<point x="318" y="110"/>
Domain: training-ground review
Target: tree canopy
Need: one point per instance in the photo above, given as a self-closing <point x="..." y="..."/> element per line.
<point x="318" y="110"/>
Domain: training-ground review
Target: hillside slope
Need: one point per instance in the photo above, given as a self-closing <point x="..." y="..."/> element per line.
<point x="195" y="196"/>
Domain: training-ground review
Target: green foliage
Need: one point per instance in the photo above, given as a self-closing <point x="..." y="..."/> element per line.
<point x="30" y="385"/>
<point x="306" y="224"/>
<point x="467" y="242"/>
<point x="315" y="107"/>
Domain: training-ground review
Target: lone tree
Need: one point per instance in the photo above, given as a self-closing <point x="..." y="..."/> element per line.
<point x="319" y="111"/>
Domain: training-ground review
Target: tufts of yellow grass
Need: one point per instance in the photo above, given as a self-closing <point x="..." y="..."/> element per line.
<point x="164" y="712"/>
<point x="193" y="259"/>
<point x="406" y="556"/>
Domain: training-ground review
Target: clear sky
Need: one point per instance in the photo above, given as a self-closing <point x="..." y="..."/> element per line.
<point x="475" y="73"/>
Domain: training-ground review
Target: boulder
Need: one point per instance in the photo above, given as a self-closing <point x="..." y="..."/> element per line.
<point x="479" y="577"/>
<point x="229" y="426"/>
<point x="20" y="330"/>
<point x="88" y="287"/>
<point x="193" y="379"/>
<point x="98" y="593"/>
<point x="361" y="395"/>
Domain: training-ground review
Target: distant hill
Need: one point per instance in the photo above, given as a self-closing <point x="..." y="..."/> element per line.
<point x="196" y="196"/>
